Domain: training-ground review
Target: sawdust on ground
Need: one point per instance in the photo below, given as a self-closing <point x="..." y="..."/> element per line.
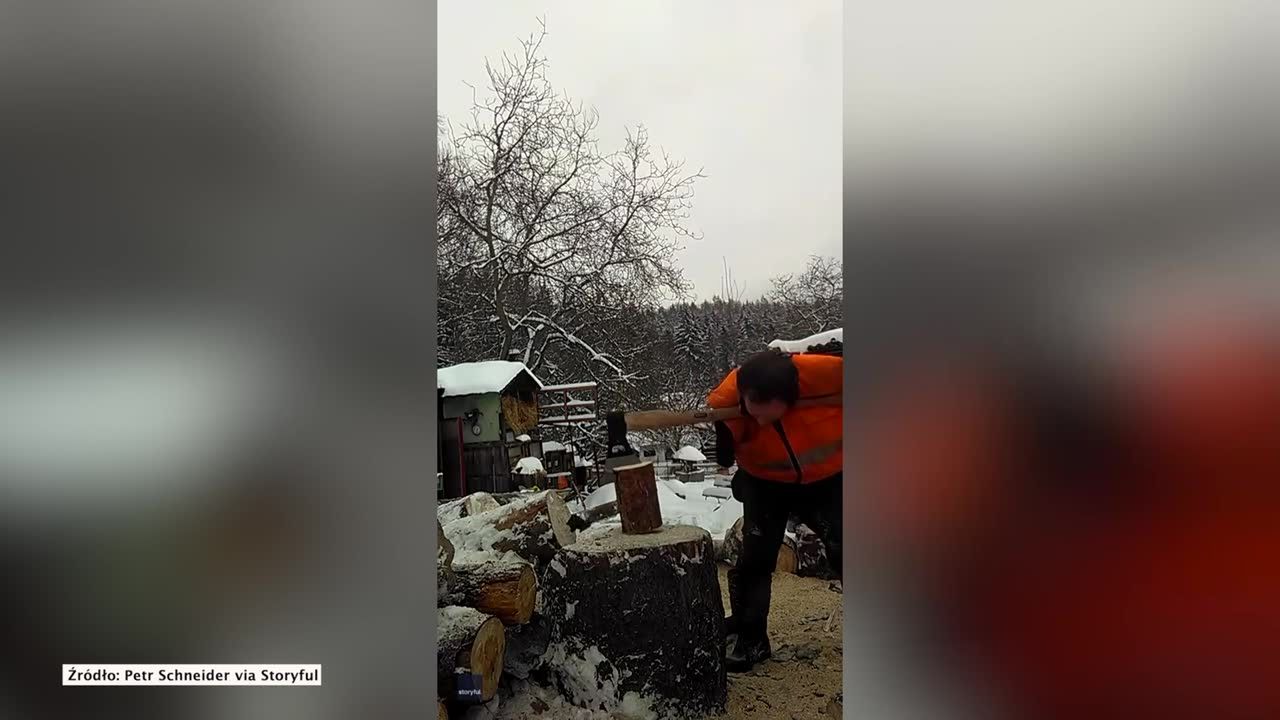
<point x="805" y="673"/>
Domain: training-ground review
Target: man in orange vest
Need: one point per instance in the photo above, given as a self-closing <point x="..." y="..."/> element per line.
<point x="790" y="461"/>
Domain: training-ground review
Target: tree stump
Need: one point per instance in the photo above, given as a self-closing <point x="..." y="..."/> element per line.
<point x="527" y="646"/>
<point x="638" y="614"/>
<point x="730" y="550"/>
<point x="638" y="498"/>
<point x="469" y="640"/>
<point x="534" y="528"/>
<point x="506" y="590"/>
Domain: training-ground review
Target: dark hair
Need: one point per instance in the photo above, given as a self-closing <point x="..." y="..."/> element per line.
<point x="769" y="376"/>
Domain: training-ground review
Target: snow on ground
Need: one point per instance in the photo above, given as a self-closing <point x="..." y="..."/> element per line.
<point x="529" y="466"/>
<point x="480" y="377"/>
<point x="689" y="453"/>
<point x="799" y="346"/>
<point x="711" y="514"/>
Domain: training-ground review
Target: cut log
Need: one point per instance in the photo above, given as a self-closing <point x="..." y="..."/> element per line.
<point x="441" y="712"/>
<point x="601" y="511"/>
<point x="479" y="502"/>
<point x="811" y="554"/>
<point x="730" y="550"/>
<point x="506" y="590"/>
<point x="638" y="613"/>
<point x="444" y="562"/>
<point x="527" y="647"/>
<point x="638" y="498"/>
<point x="509" y="497"/>
<point x="534" y="528"/>
<point x="468" y="640"/>
<point x="786" y="558"/>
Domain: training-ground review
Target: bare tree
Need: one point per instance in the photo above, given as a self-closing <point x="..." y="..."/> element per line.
<point x="547" y="242"/>
<point x="812" y="300"/>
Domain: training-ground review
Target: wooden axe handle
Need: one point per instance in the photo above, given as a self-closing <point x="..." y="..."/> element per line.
<point x="654" y="419"/>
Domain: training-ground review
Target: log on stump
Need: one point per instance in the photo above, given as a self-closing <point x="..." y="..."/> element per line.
<point x="730" y="550"/>
<point x="638" y="498"/>
<point x="469" y="640"/>
<point x="534" y="528"/>
<point x="527" y="647"/>
<point x="506" y="590"/>
<point x="638" y="614"/>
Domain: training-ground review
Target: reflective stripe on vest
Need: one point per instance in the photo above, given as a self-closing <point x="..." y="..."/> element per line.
<point x="812" y="456"/>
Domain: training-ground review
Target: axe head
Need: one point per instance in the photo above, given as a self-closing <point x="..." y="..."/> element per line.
<point x="620" y="452"/>
<point x="616" y="426"/>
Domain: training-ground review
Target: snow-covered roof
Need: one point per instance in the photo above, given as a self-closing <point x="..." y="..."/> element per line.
<point x="689" y="453"/>
<point x="552" y="446"/>
<point x="799" y="346"/>
<point x="479" y="378"/>
<point x="529" y="466"/>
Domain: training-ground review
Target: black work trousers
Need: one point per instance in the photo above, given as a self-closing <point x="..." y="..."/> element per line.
<point x="767" y="505"/>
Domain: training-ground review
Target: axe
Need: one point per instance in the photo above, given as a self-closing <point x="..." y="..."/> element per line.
<point x="619" y="423"/>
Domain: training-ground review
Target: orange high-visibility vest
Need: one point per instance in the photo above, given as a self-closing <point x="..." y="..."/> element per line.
<point x="807" y="445"/>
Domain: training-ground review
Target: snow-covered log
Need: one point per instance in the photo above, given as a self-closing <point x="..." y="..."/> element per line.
<point x="451" y="510"/>
<point x="469" y="641"/>
<point x="506" y="590"/>
<point x="638" y="614"/>
<point x="479" y="502"/>
<point x="444" y="561"/>
<point x="534" y="528"/>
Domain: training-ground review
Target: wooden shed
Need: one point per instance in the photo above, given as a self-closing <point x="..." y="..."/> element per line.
<point x="484" y="409"/>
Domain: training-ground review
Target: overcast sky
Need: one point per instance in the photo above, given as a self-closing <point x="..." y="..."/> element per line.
<point x="749" y="91"/>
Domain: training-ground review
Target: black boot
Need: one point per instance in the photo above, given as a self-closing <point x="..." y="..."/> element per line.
<point x="745" y="649"/>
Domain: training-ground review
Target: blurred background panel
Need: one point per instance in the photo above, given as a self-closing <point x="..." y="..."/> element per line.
<point x="216" y="361"/>
<point x="1061" y="257"/>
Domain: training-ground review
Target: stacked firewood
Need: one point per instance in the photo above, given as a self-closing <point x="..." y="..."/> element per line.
<point x="492" y="550"/>
<point x="802" y="552"/>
